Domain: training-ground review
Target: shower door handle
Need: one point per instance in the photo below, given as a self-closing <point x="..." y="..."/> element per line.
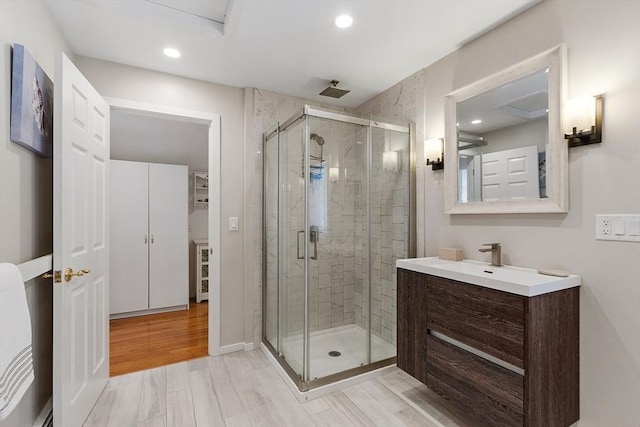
<point x="314" y="235"/>
<point x="298" y="244"/>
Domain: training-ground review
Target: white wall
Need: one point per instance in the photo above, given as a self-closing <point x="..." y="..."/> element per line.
<point x="522" y="135"/>
<point x="26" y="204"/>
<point x="603" y="40"/>
<point x="136" y="84"/>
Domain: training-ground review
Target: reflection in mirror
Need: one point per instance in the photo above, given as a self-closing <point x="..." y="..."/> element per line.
<point x="505" y="151"/>
<point x="502" y="139"/>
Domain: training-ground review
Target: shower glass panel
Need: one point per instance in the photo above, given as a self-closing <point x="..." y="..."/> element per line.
<point x="292" y="243"/>
<point x="337" y="207"/>
<point x="271" y="258"/>
<point x="337" y="214"/>
<point x="389" y="215"/>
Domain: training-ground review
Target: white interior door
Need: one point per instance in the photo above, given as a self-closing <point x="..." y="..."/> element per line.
<point x="80" y="243"/>
<point x="511" y="174"/>
<point x="129" y="232"/>
<point x="169" y="235"/>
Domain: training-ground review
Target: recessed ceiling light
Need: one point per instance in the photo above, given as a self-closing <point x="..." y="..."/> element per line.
<point x="476" y="121"/>
<point x="171" y="53"/>
<point x="344" y="21"/>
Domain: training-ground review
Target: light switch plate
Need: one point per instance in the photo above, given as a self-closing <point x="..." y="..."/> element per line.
<point x="233" y="223"/>
<point x="620" y="227"/>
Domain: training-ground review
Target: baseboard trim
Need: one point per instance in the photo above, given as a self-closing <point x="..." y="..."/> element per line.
<point x="45" y="418"/>
<point x="239" y="346"/>
<point x="146" y="312"/>
<point x="224" y="349"/>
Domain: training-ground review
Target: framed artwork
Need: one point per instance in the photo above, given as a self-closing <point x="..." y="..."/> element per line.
<point x="31" y="104"/>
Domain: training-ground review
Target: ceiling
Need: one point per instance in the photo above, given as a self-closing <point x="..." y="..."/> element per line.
<point x="287" y="46"/>
<point x="155" y="139"/>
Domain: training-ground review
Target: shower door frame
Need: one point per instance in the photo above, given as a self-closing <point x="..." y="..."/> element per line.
<point x="301" y="381"/>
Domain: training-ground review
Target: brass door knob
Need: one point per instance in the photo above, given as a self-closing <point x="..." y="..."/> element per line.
<point x="69" y="273"/>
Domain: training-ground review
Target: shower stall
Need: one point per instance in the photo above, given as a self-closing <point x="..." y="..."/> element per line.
<point x="338" y="212"/>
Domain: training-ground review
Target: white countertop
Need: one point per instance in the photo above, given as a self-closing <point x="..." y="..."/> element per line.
<point x="516" y="280"/>
<point x="200" y="241"/>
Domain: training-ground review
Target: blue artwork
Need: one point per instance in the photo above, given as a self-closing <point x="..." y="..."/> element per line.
<point x="31" y="104"/>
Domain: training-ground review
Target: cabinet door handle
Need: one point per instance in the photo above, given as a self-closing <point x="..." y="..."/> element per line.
<point x="152" y="239"/>
<point x="145" y="239"/>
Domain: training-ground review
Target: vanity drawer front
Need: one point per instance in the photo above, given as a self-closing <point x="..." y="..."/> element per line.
<point x="484" y="390"/>
<point x="486" y="319"/>
<point x="412" y="324"/>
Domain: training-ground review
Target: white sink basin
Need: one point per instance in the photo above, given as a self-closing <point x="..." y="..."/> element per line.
<point x="515" y="280"/>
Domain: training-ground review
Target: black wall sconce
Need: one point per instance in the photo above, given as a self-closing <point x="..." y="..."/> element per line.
<point x="580" y="115"/>
<point x="434" y="150"/>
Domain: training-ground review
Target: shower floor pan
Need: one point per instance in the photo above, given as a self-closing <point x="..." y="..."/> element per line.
<point x="350" y="342"/>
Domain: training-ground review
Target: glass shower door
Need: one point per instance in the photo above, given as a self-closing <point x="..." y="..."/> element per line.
<point x="292" y="243"/>
<point x="337" y="207"/>
<point x="271" y="239"/>
<point x="389" y="195"/>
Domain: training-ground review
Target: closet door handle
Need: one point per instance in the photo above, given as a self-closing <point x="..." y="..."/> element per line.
<point x="298" y="244"/>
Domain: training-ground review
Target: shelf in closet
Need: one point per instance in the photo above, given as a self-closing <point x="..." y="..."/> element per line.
<point x="200" y="190"/>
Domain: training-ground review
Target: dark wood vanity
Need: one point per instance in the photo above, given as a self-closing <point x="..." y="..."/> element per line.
<point x="537" y="336"/>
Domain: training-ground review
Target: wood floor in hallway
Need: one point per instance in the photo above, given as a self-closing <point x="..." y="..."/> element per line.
<point x="144" y="342"/>
<point x="244" y="389"/>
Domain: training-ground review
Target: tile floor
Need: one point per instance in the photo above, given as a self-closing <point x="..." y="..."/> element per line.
<point x="243" y="389"/>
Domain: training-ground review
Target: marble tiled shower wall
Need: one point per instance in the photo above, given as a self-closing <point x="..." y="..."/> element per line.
<point x="332" y="275"/>
<point x="339" y="207"/>
<point x="269" y="108"/>
<point x="389" y="233"/>
<point x="398" y="104"/>
<point x="389" y="219"/>
<point x="333" y="202"/>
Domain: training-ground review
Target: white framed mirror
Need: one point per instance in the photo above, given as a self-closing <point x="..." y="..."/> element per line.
<point x="504" y="145"/>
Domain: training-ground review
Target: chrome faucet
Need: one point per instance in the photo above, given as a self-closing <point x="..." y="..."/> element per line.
<point x="496" y="253"/>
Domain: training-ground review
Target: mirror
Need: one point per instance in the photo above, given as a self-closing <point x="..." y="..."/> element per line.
<point x="505" y="151"/>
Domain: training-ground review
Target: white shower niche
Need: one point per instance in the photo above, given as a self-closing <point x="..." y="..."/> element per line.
<point x="336" y="217"/>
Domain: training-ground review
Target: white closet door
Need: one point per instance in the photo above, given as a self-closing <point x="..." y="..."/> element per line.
<point x="168" y="228"/>
<point x="129" y="235"/>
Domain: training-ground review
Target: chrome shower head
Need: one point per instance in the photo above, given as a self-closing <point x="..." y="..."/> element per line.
<point x="334" y="91"/>
<point x="317" y="138"/>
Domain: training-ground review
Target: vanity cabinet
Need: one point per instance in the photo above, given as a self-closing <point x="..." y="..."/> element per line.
<point x="412" y="324"/>
<point x="505" y="359"/>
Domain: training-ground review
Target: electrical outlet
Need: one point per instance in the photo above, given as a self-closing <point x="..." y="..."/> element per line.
<point x="623" y="227"/>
